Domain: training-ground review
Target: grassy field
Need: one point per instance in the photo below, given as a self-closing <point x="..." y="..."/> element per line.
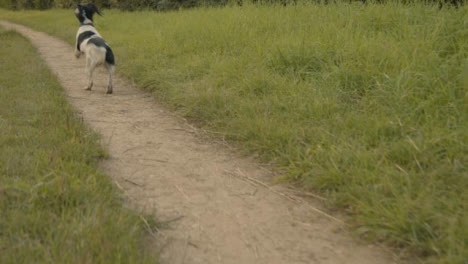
<point x="367" y="104"/>
<point x="55" y="207"/>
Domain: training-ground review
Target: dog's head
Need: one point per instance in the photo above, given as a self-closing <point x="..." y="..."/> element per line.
<point x="85" y="12"/>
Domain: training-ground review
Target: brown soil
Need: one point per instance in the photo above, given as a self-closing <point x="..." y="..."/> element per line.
<point x="217" y="207"/>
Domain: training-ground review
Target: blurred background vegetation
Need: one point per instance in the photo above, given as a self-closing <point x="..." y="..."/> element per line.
<point x="165" y="5"/>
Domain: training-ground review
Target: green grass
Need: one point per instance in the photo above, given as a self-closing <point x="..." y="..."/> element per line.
<point x="55" y="206"/>
<point x="367" y="104"/>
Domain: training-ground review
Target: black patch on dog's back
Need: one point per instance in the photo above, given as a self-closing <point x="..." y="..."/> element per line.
<point x="82" y="37"/>
<point x="99" y="42"/>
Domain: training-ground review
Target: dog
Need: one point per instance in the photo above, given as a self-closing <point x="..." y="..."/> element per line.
<point x="90" y="42"/>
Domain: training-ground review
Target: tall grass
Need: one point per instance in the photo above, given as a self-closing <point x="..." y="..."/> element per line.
<point x="367" y="104"/>
<point x="55" y="207"/>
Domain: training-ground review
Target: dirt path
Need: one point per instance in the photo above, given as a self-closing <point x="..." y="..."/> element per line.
<point x="216" y="210"/>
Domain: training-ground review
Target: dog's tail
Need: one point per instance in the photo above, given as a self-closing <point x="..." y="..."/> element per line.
<point x="109" y="56"/>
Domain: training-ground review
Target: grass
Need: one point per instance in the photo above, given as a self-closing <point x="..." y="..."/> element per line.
<point x="367" y="104"/>
<point x="55" y="206"/>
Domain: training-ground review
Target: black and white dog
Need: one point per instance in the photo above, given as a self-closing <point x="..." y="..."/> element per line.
<point x="89" y="42"/>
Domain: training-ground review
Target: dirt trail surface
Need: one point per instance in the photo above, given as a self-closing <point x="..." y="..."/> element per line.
<point x="214" y="204"/>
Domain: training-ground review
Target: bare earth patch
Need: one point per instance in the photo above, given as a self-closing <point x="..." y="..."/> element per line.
<point x="214" y="203"/>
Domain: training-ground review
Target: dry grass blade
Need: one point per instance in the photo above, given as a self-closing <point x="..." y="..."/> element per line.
<point x="242" y="176"/>
<point x="150" y="230"/>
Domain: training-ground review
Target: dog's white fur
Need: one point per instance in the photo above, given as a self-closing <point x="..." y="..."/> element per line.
<point x="95" y="55"/>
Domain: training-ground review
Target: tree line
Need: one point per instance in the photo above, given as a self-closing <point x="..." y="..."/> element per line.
<point x="162" y="5"/>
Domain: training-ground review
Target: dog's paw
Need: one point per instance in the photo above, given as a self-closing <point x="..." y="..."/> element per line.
<point x="88" y="88"/>
<point x="77" y="54"/>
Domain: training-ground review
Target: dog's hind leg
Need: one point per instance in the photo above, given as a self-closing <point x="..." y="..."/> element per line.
<point x="90" y="65"/>
<point x="110" y="68"/>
